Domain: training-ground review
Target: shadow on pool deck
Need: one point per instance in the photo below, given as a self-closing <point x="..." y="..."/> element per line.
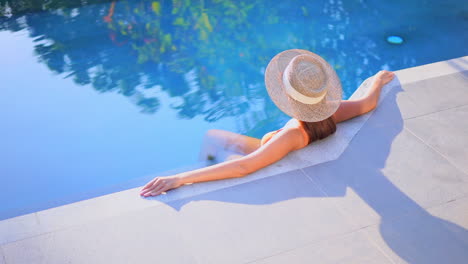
<point x="407" y="228"/>
<point x="460" y="68"/>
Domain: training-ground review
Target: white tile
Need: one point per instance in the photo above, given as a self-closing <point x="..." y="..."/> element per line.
<point x="421" y="173"/>
<point x="435" y="94"/>
<point x="19" y="228"/>
<point x="146" y="235"/>
<point x="419" y="237"/>
<point x="350" y="248"/>
<point x="92" y="210"/>
<point x="2" y="257"/>
<point x="447" y="132"/>
<point x="409" y="106"/>
<point x="258" y="219"/>
<point x="69" y="215"/>
<point x="432" y="70"/>
<point x="455" y="213"/>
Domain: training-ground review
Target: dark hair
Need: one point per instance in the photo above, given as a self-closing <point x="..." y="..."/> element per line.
<point x="319" y="130"/>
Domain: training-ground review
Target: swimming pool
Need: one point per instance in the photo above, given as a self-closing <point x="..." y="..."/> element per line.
<point x="100" y="97"/>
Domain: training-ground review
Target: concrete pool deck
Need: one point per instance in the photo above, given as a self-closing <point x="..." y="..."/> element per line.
<point x="390" y="187"/>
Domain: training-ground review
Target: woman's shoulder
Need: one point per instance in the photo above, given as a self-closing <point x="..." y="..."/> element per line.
<point x="295" y="126"/>
<point x="292" y="123"/>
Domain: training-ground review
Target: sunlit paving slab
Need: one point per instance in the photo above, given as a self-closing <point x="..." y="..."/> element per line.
<point x="392" y="189"/>
<point x="128" y="238"/>
<point x="445" y="132"/>
<point x="353" y="248"/>
<point x="434" y="94"/>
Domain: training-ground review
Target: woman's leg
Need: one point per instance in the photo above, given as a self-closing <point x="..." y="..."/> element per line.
<point x="219" y="145"/>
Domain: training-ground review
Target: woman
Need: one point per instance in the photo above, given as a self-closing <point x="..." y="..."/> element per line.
<point x="305" y="87"/>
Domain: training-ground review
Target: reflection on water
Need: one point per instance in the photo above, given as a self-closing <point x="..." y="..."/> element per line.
<point x="187" y="66"/>
<point x="204" y="56"/>
<point x="210" y="55"/>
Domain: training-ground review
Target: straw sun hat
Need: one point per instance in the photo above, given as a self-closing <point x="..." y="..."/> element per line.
<point x="303" y="85"/>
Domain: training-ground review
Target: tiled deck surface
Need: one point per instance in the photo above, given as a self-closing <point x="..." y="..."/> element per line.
<point x="397" y="193"/>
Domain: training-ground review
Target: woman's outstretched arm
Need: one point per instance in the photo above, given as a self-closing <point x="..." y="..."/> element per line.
<point x="284" y="142"/>
<point x="356" y="107"/>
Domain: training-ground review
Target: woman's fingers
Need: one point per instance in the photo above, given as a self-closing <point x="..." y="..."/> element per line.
<point x="155" y="184"/>
<point x="161" y="188"/>
<point x="148" y="191"/>
<point x="145" y="190"/>
<point x="156" y="190"/>
<point x="150" y="183"/>
<point x="149" y="186"/>
<point x="159" y="185"/>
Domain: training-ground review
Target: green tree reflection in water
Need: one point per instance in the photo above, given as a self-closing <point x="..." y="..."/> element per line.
<point x="209" y="55"/>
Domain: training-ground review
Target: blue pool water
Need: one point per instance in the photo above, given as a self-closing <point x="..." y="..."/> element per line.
<point x="101" y="97"/>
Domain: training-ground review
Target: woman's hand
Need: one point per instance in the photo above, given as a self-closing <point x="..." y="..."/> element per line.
<point x="384" y="77"/>
<point x="159" y="185"/>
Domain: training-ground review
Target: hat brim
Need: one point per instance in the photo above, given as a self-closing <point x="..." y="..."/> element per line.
<point x="304" y="112"/>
